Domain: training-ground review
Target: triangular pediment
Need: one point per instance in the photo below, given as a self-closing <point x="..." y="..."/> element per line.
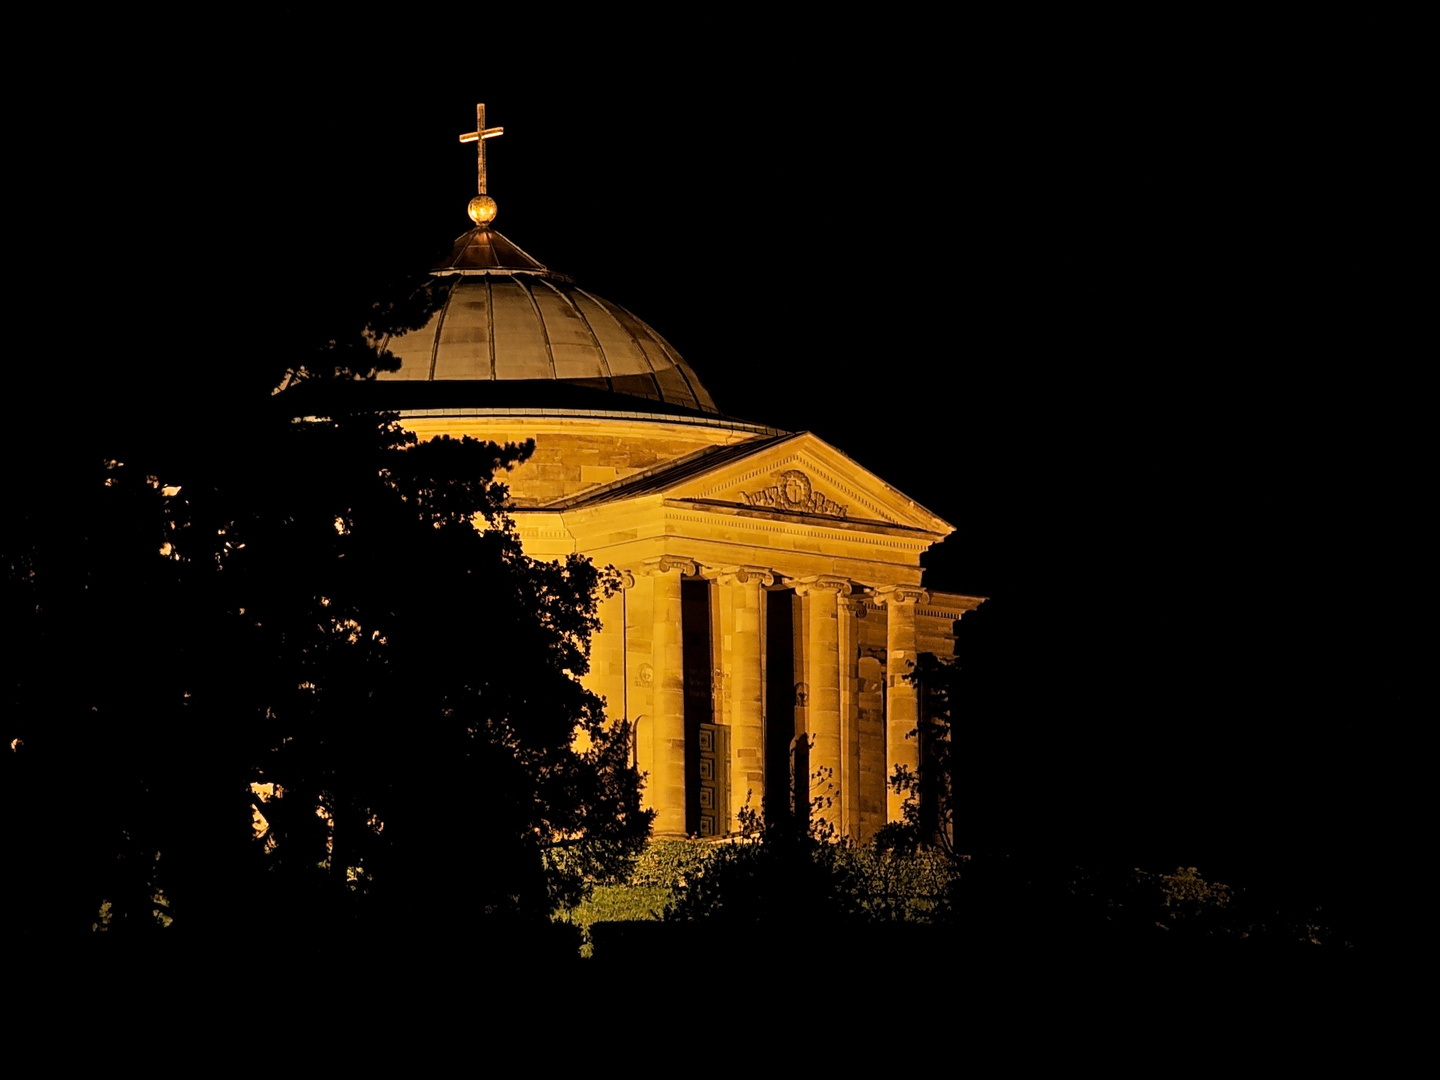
<point x="794" y="475"/>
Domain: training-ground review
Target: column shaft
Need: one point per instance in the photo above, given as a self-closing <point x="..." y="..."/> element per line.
<point x="822" y="675"/>
<point x="667" y="785"/>
<point x="742" y="602"/>
<point x="849" y="723"/>
<point x="902" y="707"/>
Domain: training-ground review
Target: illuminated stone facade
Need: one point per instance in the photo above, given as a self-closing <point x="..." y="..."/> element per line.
<point x="772" y="595"/>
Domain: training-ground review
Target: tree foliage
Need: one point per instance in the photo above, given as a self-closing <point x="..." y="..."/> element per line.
<point x="795" y="864"/>
<point x="929" y="817"/>
<point x="272" y="678"/>
<point x="1046" y="896"/>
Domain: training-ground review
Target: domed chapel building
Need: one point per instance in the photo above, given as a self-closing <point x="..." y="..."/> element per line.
<point x="772" y="600"/>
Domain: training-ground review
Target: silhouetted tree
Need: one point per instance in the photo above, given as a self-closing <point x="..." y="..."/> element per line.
<point x="929" y="809"/>
<point x="307" y="606"/>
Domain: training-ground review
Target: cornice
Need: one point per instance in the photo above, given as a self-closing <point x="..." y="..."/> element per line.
<point x="770" y="525"/>
<point x="800" y="517"/>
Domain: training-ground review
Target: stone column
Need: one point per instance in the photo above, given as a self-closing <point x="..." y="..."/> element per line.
<point x="850" y="610"/>
<point x="823" y="674"/>
<point x="667" y="783"/>
<point x="742" y="615"/>
<point x="902" y="706"/>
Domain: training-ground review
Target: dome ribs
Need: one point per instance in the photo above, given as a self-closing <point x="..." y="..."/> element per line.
<point x="521" y="346"/>
<point x="638" y="350"/>
<point x="435" y="338"/>
<point x="544" y="327"/>
<point x="592" y="344"/>
<point x="490" y="335"/>
<point x="703" y="400"/>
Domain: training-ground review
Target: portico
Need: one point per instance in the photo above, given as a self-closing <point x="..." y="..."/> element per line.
<point x="741" y="564"/>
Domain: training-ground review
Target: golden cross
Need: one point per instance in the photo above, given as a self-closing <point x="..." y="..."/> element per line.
<point x="478" y="137"/>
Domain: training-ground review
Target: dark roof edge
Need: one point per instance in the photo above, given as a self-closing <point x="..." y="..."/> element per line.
<point x="658" y="477"/>
<point x="712" y="420"/>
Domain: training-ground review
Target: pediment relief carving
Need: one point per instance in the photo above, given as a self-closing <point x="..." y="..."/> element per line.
<point x="798" y="484"/>
<point x="793" y="490"/>
<point x="805" y="475"/>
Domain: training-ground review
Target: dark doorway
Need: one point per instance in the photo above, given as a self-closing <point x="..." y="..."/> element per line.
<point x="779" y="703"/>
<point x="699" y="699"/>
<point x="933" y="703"/>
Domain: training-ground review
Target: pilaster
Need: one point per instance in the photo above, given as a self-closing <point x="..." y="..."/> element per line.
<point x="667" y="782"/>
<point x="608" y="659"/>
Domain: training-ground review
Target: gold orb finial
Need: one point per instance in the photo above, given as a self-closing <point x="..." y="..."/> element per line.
<point x="482" y="210"/>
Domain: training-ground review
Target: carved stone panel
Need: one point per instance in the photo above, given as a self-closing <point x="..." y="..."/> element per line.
<point x="794" y="491"/>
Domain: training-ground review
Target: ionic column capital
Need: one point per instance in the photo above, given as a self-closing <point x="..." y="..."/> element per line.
<point x="823" y="583"/>
<point x="741" y="575"/>
<point x="901" y="594"/>
<point x="625" y="579"/>
<point x="665" y="564"/>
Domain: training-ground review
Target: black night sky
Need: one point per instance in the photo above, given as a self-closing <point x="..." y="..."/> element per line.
<point x="1087" y="311"/>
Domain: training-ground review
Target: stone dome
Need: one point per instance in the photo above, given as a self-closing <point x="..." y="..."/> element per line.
<point x="502" y="316"/>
